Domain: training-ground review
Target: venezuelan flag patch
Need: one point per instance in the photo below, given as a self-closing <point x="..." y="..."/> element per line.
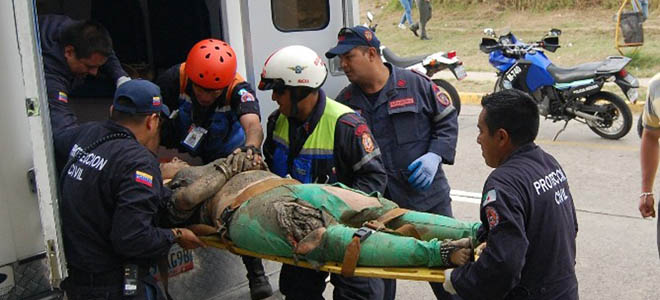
<point x="156" y="101"/>
<point x="144" y="178"/>
<point x="62" y="96"/>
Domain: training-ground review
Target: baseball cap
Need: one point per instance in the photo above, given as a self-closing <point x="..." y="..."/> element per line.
<point x="144" y="95"/>
<point x="351" y="37"/>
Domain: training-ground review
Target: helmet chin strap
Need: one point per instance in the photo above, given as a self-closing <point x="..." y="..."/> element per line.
<point x="296" y="96"/>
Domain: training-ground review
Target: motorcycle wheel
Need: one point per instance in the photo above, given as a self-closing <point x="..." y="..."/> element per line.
<point x="617" y="120"/>
<point x="453" y="94"/>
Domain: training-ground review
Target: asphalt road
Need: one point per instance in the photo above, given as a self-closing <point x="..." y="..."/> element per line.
<point x="617" y="257"/>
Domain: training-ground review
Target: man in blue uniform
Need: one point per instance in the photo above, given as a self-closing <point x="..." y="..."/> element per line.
<point x="110" y="191"/>
<point x="215" y="114"/>
<point x="72" y="50"/>
<point x="412" y="120"/>
<point x="316" y="139"/>
<point x="527" y="212"/>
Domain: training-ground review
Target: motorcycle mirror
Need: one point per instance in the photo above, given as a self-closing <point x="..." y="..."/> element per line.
<point x="489" y="32"/>
<point x="488" y="45"/>
<point x="554" y="32"/>
<point x="551" y="43"/>
<point x="370" y="16"/>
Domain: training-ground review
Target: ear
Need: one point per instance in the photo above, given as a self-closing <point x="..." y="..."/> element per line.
<point x="112" y="107"/>
<point x="69" y="52"/>
<point x="152" y="121"/>
<point x="373" y="54"/>
<point x="502" y="136"/>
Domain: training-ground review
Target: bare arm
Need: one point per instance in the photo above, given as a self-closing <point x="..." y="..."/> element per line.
<point x="254" y="133"/>
<point x="649" y="163"/>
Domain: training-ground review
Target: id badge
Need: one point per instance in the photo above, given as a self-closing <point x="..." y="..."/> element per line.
<point x="194" y="137"/>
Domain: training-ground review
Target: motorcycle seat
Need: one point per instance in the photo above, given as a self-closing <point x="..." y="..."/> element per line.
<point x="583" y="71"/>
<point x="402" y="62"/>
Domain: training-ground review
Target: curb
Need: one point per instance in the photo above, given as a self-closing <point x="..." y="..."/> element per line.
<point x="475" y="99"/>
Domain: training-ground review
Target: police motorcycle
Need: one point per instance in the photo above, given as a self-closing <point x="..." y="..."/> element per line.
<point x="428" y="64"/>
<point x="564" y="94"/>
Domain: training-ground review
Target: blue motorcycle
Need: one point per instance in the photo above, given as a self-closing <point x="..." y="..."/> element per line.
<point x="564" y="94"/>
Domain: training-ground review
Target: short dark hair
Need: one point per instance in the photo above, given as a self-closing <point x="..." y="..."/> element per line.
<point x="514" y="111"/>
<point x="365" y="49"/>
<point x="87" y="37"/>
<point x="124" y="117"/>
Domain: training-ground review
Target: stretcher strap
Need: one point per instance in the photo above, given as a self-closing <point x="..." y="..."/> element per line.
<point x="379" y="224"/>
<point x="351" y="257"/>
<point x="261" y="188"/>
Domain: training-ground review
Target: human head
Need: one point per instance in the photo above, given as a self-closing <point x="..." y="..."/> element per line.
<point x="359" y="53"/>
<point x="138" y="106"/>
<point x="211" y="66"/>
<point x="87" y="45"/>
<point x="293" y="73"/>
<point x="170" y="168"/>
<point x="508" y="120"/>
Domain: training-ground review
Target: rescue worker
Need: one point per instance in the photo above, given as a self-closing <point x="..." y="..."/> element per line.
<point x="217" y="109"/>
<point x="317" y="140"/>
<point x="216" y="113"/>
<point x="413" y="122"/>
<point x="649" y="149"/>
<point x="110" y="191"/>
<point x="72" y="50"/>
<point x="527" y="212"/>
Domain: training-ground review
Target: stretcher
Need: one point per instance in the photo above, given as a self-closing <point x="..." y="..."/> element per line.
<point x="408" y="273"/>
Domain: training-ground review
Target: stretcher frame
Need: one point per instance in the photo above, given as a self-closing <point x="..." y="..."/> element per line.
<point x="407" y="273"/>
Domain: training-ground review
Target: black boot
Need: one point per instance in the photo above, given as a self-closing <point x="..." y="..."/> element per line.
<point x="414" y="28"/>
<point x="259" y="286"/>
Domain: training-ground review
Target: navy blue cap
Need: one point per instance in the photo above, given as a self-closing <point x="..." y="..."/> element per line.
<point x="145" y="96"/>
<point x="351" y="37"/>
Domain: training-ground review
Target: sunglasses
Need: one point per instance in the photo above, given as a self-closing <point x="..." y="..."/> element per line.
<point x="344" y="31"/>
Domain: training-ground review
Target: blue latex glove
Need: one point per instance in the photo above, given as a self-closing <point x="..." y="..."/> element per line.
<point x="423" y="170"/>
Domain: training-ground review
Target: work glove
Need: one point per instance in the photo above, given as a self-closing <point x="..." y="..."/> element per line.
<point x="423" y="170"/>
<point x="246" y="158"/>
<point x="447" y="285"/>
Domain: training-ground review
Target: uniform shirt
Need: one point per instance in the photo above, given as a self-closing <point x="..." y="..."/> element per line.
<point x="650" y="117"/>
<point x="240" y="104"/>
<point x="528" y="215"/>
<point x="109" y="199"/>
<point x="410" y="117"/>
<point x="356" y="167"/>
<point x="59" y="79"/>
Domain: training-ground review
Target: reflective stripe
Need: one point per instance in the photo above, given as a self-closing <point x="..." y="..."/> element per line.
<point x="444" y="113"/>
<point x="222" y="109"/>
<point x="365" y="159"/>
<point x="280" y="140"/>
<point x="316" y="151"/>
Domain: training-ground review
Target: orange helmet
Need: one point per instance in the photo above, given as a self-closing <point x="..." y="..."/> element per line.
<point x="211" y="64"/>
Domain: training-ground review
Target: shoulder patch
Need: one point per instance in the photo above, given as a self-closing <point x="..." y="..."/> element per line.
<point x="489" y="197"/>
<point x="492" y="217"/>
<point x="144" y="178"/>
<point x="441" y="96"/>
<point x="63" y="97"/>
<point x="246" y="96"/>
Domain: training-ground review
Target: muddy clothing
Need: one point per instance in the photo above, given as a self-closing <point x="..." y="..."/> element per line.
<point x="295" y="210"/>
<point x="59" y="78"/>
<point x="224" y="132"/>
<point x="528" y="215"/>
<point x="332" y="145"/>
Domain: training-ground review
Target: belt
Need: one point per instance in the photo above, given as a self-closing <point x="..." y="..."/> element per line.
<point x="107" y="278"/>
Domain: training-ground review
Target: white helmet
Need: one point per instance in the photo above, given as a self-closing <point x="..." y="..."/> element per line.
<point x="293" y="66"/>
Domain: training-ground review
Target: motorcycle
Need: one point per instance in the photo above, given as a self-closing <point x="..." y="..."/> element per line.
<point x="428" y="64"/>
<point x="564" y="94"/>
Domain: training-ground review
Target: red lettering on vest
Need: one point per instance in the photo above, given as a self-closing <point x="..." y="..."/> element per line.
<point x="402" y="102"/>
